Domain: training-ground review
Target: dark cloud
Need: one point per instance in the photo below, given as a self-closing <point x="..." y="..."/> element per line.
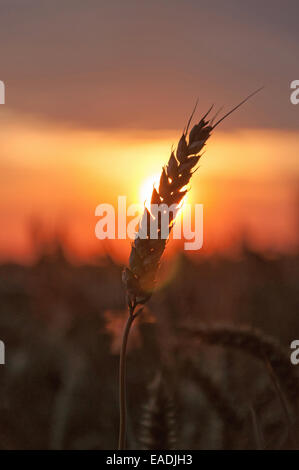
<point x="142" y="64"/>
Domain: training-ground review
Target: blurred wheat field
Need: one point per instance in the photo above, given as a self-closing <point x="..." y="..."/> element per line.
<point x="61" y="325"/>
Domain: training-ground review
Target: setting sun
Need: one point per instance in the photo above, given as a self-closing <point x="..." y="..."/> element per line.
<point x="147" y="189"/>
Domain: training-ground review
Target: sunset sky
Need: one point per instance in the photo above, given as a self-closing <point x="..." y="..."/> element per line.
<point x="97" y="92"/>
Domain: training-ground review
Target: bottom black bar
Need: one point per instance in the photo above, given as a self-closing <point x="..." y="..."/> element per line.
<point x="154" y="459"/>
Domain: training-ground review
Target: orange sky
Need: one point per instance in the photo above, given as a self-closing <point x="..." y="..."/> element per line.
<point x="248" y="182"/>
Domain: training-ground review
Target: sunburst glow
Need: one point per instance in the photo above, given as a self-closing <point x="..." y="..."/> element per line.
<point x="147" y="189"/>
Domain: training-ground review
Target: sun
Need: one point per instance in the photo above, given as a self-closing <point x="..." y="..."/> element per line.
<point x="146" y="189"/>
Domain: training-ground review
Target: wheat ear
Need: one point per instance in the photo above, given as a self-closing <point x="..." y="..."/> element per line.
<point x="147" y="249"/>
<point x="139" y="277"/>
<point x="255" y="343"/>
<point x="158" y="424"/>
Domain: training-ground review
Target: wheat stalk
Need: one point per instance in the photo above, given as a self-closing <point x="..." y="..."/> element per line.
<point x="221" y="402"/>
<point x="147" y="249"/>
<point x="253" y="342"/>
<point x="260" y="346"/>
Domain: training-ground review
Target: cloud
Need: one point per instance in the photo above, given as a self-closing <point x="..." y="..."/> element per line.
<point x="138" y="64"/>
